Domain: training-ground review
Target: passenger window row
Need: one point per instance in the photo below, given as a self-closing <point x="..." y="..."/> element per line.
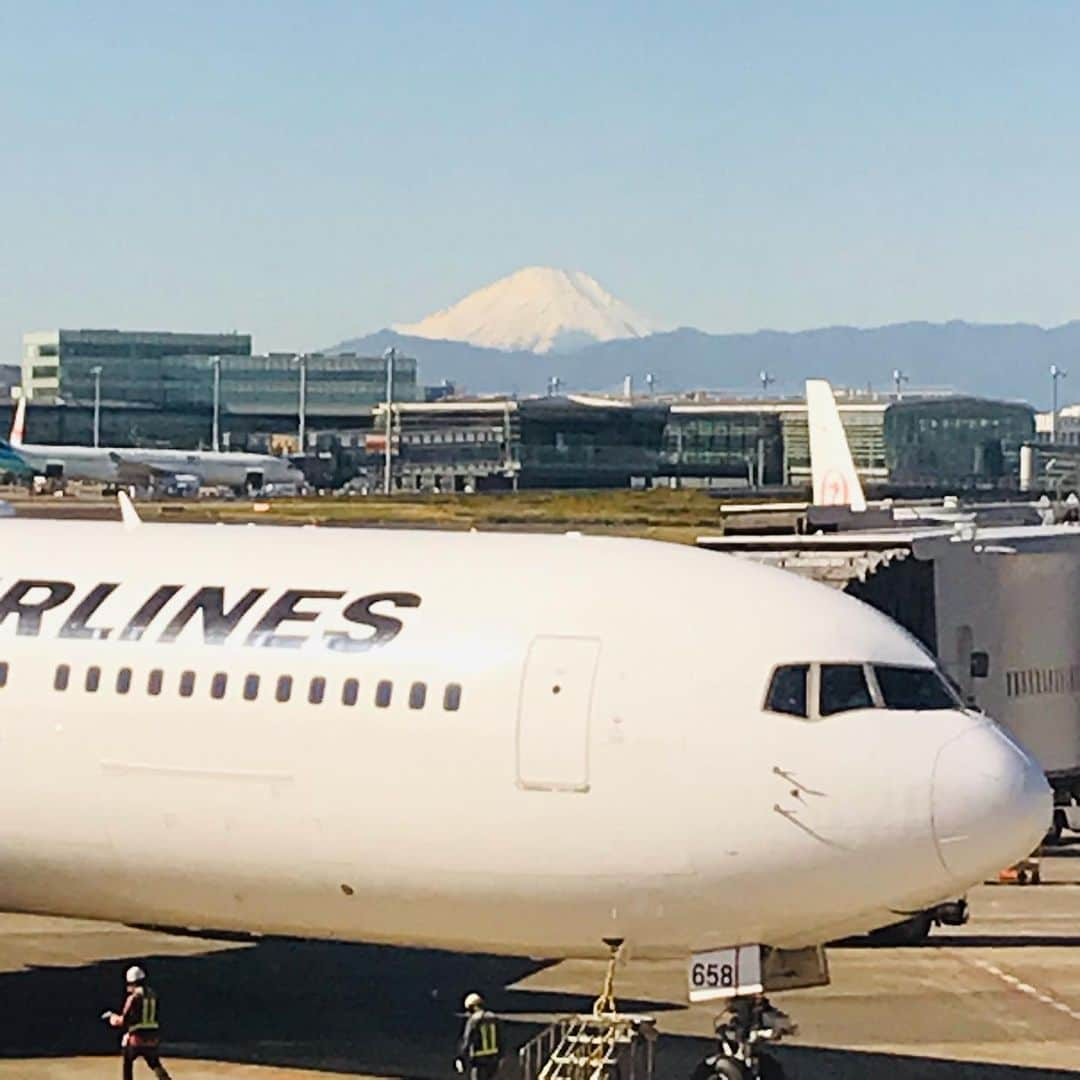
<point x="252" y="686"/>
<point x="814" y="691"/>
<point x="1028" y="682"/>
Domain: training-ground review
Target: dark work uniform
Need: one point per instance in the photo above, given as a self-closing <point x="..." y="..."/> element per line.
<point x="142" y="1033"/>
<point x="481" y="1045"/>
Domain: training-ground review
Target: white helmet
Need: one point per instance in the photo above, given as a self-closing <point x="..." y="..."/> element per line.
<point x="135" y="975"/>
<point x="473" y="1001"/>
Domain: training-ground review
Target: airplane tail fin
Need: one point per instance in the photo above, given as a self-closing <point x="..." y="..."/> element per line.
<point x="836" y="483"/>
<point x="18" y="425"/>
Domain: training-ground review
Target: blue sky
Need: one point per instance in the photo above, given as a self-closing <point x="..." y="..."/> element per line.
<point x="310" y="171"/>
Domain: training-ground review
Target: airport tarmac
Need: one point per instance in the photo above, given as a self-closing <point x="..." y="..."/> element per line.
<point x="997" y="999"/>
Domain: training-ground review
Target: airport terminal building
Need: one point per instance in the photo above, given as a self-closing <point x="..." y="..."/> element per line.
<point x="587" y="441"/>
<point x="158" y="389"/>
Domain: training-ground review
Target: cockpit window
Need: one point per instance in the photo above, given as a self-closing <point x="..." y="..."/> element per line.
<point x="914" y="688"/>
<point x="787" y="691"/>
<point x="843" y="688"/>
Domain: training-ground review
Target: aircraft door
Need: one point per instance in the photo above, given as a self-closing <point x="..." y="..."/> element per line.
<point x="553" y="716"/>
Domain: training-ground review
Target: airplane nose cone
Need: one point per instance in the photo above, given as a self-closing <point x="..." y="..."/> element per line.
<point x="991" y="803"/>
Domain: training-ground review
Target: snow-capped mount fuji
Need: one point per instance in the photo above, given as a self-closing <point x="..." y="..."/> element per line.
<point x="538" y="309"/>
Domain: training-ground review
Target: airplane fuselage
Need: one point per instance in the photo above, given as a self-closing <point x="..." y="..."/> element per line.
<point x="474" y="741"/>
<point x="122" y="465"/>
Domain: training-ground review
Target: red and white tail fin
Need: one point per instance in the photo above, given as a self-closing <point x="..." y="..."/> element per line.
<point x="18" y="425"/>
<point x="836" y="483"/>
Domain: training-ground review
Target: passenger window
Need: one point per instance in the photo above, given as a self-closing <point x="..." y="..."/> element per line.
<point x="350" y="691"/>
<point x="383" y="692"/>
<point x="93" y="679"/>
<point x="914" y="688"/>
<point x="62" y="676"/>
<point x="284" y="688"/>
<point x="153" y="682"/>
<point x="123" y="680"/>
<point x="187" y="683"/>
<point x="218" y="685"/>
<point x="451" y="700"/>
<point x="843" y="688"/>
<point x="251" y="687"/>
<point x="787" y="691"/>
<point x="417" y="695"/>
<point x="3" y="673"/>
<point x="316" y="690"/>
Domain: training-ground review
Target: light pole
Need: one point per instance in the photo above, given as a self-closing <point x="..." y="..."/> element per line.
<point x="215" y="440"/>
<point x="899" y="378"/>
<point x="96" y="372"/>
<point x="301" y="430"/>
<point x="1056" y="375"/>
<point x="389" y="356"/>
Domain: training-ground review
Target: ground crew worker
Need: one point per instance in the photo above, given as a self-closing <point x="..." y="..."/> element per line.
<point x="480" y="1047"/>
<point x="139" y="1021"/>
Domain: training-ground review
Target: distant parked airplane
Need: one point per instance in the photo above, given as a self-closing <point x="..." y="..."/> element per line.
<point x="143" y="468"/>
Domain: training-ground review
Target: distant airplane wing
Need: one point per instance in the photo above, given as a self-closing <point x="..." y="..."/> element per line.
<point x="836" y="483"/>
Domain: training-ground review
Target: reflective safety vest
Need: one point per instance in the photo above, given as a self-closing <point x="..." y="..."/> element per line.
<point x="486" y="1037"/>
<point x="147" y="1018"/>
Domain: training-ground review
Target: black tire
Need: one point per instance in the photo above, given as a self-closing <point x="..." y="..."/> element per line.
<point x="726" y="1069"/>
<point x="769" y="1068"/>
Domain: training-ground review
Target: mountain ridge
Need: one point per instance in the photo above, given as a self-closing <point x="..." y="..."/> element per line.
<point x="1005" y="360"/>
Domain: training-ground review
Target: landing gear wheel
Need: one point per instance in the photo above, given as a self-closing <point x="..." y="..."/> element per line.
<point x="769" y="1068"/>
<point x="727" y="1069"/>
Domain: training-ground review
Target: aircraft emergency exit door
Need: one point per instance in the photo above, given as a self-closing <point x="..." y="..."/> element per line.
<point x="553" y="719"/>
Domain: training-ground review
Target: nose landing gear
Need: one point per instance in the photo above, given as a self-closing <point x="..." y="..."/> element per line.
<point x="748" y="1023"/>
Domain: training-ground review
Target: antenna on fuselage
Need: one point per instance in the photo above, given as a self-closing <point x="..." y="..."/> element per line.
<point x="128" y="514"/>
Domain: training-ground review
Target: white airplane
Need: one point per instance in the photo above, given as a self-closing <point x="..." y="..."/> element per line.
<point x="144" y="468"/>
<point x="477" y="742"/>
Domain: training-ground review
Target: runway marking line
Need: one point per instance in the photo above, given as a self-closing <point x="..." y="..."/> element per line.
<point x="1023" y="987"/>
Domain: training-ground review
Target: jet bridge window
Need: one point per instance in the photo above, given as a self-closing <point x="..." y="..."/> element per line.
<point x="914" y="688"/>
<point x="787" y="691"/>
<point x="843" y="688"/>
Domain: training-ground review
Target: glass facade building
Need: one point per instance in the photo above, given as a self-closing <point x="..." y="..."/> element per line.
<point x="157" y="389"/>
<point x="142" y="368"/>
<point x="176" y="371"/>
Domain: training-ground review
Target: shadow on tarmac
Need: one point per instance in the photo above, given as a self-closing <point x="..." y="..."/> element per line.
<point x="357" y="1008"/>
